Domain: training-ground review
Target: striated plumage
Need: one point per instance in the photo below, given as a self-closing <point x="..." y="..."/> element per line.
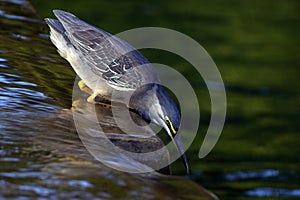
<point x="107" y="64"/>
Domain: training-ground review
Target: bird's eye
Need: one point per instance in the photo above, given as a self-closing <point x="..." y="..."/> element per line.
<point x="170" y="125"/>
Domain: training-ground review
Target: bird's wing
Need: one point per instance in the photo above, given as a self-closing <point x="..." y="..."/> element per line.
<point x="114" y="60"/>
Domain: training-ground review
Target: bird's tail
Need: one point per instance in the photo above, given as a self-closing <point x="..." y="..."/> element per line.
<point x="58" y="37"/>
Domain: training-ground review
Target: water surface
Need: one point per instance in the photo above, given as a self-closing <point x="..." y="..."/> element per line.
<point x="41" y="154"/>
<point x="254" y="44"/>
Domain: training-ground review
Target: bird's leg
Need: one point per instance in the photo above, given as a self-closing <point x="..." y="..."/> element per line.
<point x="98" y="100"/>
<point x="94" y="98"/>
<point x="91" y="99"/>
<point x="84" y="87"/>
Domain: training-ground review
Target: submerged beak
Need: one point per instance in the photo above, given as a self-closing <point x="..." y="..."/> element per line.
<point x="177" y="141"/>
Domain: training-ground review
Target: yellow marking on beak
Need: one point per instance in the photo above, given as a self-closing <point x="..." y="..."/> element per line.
<point x="170" y="125"/>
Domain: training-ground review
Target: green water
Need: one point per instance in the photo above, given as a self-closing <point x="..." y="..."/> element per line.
<point x="255" y="45"/>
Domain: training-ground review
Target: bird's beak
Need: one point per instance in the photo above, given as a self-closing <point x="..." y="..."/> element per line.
<point x="175" y="136"/>
<point x="177" y="141"/>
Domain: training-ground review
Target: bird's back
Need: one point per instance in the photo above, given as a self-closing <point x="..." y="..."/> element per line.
<point x="109" y="58"/>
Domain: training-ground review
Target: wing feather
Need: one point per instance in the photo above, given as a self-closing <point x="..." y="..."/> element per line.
<point x="112" y="59"/>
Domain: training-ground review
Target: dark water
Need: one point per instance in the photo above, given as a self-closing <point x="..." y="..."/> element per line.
<point x="254" y="44"/>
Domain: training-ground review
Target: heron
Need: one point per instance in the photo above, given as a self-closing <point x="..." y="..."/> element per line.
<point x="106" y="64"/>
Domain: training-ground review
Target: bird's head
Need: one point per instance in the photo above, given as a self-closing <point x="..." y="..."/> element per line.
<point x="155" y="105"/>
<point x="169" y="118"/>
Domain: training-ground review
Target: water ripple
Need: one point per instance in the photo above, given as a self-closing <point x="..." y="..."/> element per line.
<point x="41" y="175"/>
<point x="20" y="18"/>
<point x="273" y="192"/>
<point x="240" y="175"/>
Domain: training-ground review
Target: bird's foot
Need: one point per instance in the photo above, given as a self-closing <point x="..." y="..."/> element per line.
<point x="84" y="87"/>
<point x="99" y="100"/>
<point x="95" y="98"/>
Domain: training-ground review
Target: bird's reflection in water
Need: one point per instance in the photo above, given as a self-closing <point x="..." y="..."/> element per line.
<point x="102" y="132"/>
